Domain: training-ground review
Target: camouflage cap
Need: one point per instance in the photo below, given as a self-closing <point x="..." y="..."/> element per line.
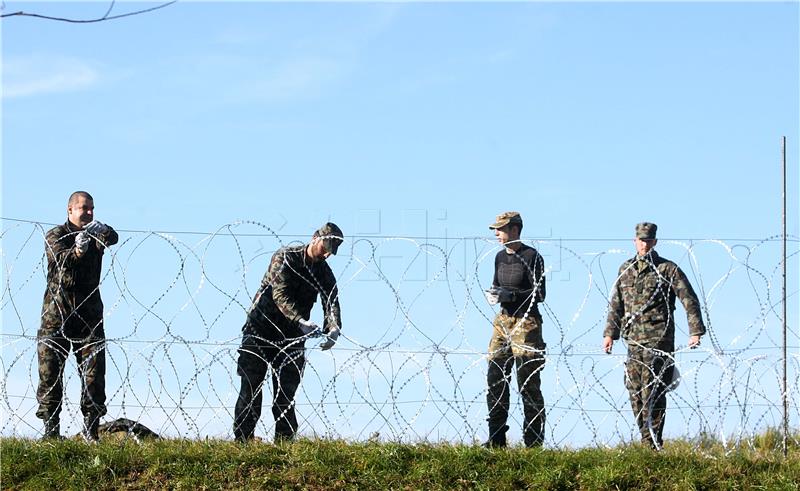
<point x="331" y="236"/>
<point x="646" y="230"/>
<point x="504" y="219"/>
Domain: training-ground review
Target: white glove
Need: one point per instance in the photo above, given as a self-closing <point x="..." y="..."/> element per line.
<point x="82" y="241"/>
<point x="96" y="228"/>
<point x="309" y="328"/>
<point x="332" y="335"/>
<point x="497" y="295"/>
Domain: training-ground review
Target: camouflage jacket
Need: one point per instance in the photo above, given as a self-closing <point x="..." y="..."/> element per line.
<point x="642" y="301"/>
<point x="69" y="275"/>
<point x="523" y="274"/>
<point x="288" y="292"/>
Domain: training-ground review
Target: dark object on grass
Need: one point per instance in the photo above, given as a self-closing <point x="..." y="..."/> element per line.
<point x="122" y="428"/>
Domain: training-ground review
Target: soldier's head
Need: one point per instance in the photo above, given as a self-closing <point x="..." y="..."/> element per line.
<point x="80" y="208"/>
<point x="325" y="242"/>
<point x="645" y="239"/>
<point x="507" y="228"/>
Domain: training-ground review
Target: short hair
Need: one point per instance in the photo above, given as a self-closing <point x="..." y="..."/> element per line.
<point x="518" y="225"/>
<point x="78" y="194"/>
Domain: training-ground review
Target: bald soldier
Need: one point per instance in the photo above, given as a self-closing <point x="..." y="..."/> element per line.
<point x="641" y="310"/>
<point x="72" y="316"/>
<point x="518" y="286"/>
<point x="277" y="327"/>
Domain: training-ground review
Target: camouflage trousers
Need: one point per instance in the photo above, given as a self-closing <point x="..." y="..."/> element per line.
<point x="54" y="343"/>
<point x="648" y="372"/>
<point x="516" y="342"/>
<point x="285" y="361"/>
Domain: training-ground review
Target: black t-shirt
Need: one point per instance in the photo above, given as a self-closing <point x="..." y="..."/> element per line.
<point x="523" y="273"/>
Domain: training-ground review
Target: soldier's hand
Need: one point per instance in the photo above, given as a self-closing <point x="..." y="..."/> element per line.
<point x="332" y="336"/>
<point x="694" y="341"/>
<point x="96" y="228"/>
<point x="505" y="295"/>
<point x="607" y="344"/>
<point x="309" y="328"/>
<point x="82" y="241"/>
<point x="497" y="295"/>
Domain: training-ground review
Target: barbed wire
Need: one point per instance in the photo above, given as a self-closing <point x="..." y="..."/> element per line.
<point x="411" y="362"/>
<point x="776" y="238"/>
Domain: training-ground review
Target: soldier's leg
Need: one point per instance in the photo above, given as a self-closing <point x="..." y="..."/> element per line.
<point x="528" y="347"/>
<point x="662" y="369"/>
<point x="529" y="382"/>
<point x="90" y="353"/>
<point x="252" y="367"/>
<point x="637" y="378"/>
<point x="52" y="350"/>
<point x="498" y="377"/>
<point x="287" y="371"/>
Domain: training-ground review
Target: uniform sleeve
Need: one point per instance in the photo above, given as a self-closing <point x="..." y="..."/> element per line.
<point x="538" y="279"/>
<point x="330" y="299"/>
<point x="279" y="273"/>
<point x="684" y="291"/>
<point x="495" y="281"/>
<point x="60" y="250"/>
<point x="616" y="308"/>
<point x="110" y="237"/>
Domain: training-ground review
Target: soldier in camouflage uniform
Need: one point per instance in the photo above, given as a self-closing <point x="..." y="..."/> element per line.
<point x="277" y="326"/>
<point x="642" y="310"/>
<point x="518" y="286"/>
<point x="72" y="315"/>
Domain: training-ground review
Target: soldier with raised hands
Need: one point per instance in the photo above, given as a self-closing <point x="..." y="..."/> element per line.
<point x="641" y="310"/>
<point x="72" y="316"/>
<point x="277" y="327"/>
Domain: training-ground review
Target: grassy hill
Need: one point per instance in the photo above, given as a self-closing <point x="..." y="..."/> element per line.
<point x="324" y="464"/>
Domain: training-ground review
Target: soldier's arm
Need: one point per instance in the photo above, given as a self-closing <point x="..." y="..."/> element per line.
<point x="684" y="291"/>
<point x="538" y="279"/>
<point x="616" y="309"/>
<point x="58" y="249"/>
<point x="495" y="281"/>
<point x="330" y="300"/>
<point x="110" y="237"/>
<point x="279" y="272"/>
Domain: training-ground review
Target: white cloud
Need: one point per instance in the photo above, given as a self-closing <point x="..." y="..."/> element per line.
<point x="36" y="75"/>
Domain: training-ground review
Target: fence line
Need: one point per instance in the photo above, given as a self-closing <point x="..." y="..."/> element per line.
<point x="411" y="363"/>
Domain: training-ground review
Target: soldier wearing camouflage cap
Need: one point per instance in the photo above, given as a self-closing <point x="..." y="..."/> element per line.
<point x="641" y="310"/>
<point x="278" y="325"/>
<point x="72" y="316"/>
<point x="518" y="286"/>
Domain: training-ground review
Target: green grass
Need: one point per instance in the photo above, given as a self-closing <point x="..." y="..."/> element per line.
<point x="326" y="464"/>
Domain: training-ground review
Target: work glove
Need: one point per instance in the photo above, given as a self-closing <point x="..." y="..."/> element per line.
<point x="309" y="328"/>
<point x="332" y="336"/>
<point x="96" y="228"/>
<point x="82" y="241"/>
<point x="492" y="297"/>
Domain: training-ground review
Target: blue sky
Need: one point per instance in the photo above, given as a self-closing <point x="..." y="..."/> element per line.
<point x="407" y="119"/>
<point x="604" y="113"/>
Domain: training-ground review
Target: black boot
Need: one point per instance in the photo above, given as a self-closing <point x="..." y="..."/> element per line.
<point x="242" y="436"/>
<point x="90" y="424"/>
<point x="52" y="429"/>
<point x="497" y="437"/>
